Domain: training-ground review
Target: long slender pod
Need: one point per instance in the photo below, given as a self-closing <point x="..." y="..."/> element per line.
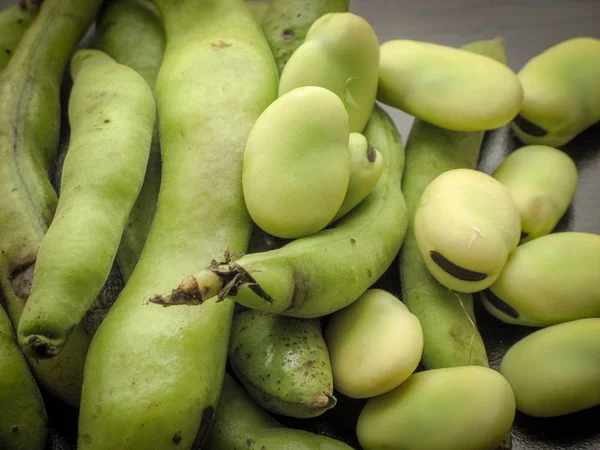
<point x="29" y="129"/>
<point x="112" y="114"/>
<point x="153" y="375"/>
<point x="23" y="421"/>
<point x="14" y="22"/>
<point x="324" y="272"/>
<point x="286" y="23"/>
<point x="131" y="32"/>
<point x="450" y="333"/>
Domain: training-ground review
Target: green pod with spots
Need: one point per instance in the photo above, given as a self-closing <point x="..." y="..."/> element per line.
<point x="23" y="420"/>
<point x="562" y="97"/>
<point x="375" y="344"/>
<point x="286" y="24"/>
<point x="153" y="375"/>
<point x="319" y="274"/>
<point x="296" y="163"/>
<point x="445" y="85"/>
<point x="29" y="132"/>
<point x="366" y="167"/>
<point x="282" y="362"/>
<point x="340" y="53"/>
<point x="131" y="32"/>
<point x="555" y="371"/>
<point x="467" y="408"/>
<point x="451" y="337"/>
<point x="466" y="225"/>
<point x="549" y="280"/>
<point x="542" y="181"/>
<point x="111" y="114"/>
<point x="241" y="423"/>
<point x="14" y="21"/>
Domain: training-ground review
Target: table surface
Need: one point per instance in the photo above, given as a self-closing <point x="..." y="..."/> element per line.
<point x="529" y="27"/>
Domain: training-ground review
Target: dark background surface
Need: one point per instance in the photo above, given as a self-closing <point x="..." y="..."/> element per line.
<point x="529" y="27"/>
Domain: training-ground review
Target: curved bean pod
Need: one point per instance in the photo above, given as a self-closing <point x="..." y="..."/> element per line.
<point x="549" y="280"/>
<point x="14" y="21"/>
<point x="111" y="113"/>
<point x="562" y="93"/>
<point x="318" y="274"/>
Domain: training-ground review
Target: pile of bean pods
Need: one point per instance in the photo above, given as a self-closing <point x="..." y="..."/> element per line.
<point x="232" y="159"/>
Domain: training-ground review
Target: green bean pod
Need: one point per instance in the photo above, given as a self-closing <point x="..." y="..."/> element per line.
<point x="467" y="408"/>
<point x="241" y="423"/>
<point x="542" y="181"/>
<point x="23" y="421"/>
<point x="282" y="362"/>
<point x="322" y="273"/>
<point x="340" y="53"/>
<point x="562" y="97"/>
<point x="258" y="9"/>
<point x="450" y="333"/>
<point x="286" y="24"/>
<point x="153" y="375"/>
<point x="555" y="371"/>
<point x="131" y="32"/>
<point x="29" y="131"/>
<point x="366" y="167"/>
<point x="549" y="280"/>
<point x="111" y="113"/>
<point x="445" y="86"/>
<point x="14" y="21"/>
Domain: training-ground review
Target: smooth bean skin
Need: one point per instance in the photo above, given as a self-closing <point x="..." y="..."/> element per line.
<point x="111" y="114"/>
<point x="23" y="420"/>
<point x="29" y="132"/>
<point x="366" y="167"/>
<point x="562" y="93"/>
<point x="286" y="24"/>
<point x="555" y="371"/>
<point x="153" y="375"/>
<point x="258" y="9"/>
<point x="131" y="32"/>
<point x="296" y="163"/>
<point x="448" y="87"/>
<point x="14" y="21"/>
<point x="542" y="181"/>
<point x="472" y="221"/>
<point x="340" y="53"/>
<point x="549" y="280"/>
<point x="282" y="362"/>
<point x="467" y="408"/>
<point x="375" y="344"/>
<point x="241" y="423"/>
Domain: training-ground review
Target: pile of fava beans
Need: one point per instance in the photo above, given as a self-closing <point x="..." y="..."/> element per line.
<point x="230" y="159"/>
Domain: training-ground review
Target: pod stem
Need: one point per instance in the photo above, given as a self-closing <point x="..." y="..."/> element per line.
<point x="221" y="279"/>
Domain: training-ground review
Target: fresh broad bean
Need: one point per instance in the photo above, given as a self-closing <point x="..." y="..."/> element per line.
<point x="562" y="97"/>
<point x="466" y="225"/>
<point x="29" y="131"/>
<point x="448" y="87"/>
<point x="375" y="344"/>
<point x="153" y="375"/>
<point x="340" y="53"/>
<point x="282" y="362"/>
<point x="555" y="371"/>
<point x="241" y="423"/>
<point x="542" y="181"/>
<point x="14" y="21"/>
<point x="111" y="113"/>
<point x="131" y="32"/>
<point x="318" y="274"/>
<point x="549" y="280"/>
<point x="366" y="167"/>
<point x="286" y="24"/>
<point x="296" y="163"/>
<point x="23" y="421"/>
<point x="450" y="332"/>
<point x="467" y="408"/>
